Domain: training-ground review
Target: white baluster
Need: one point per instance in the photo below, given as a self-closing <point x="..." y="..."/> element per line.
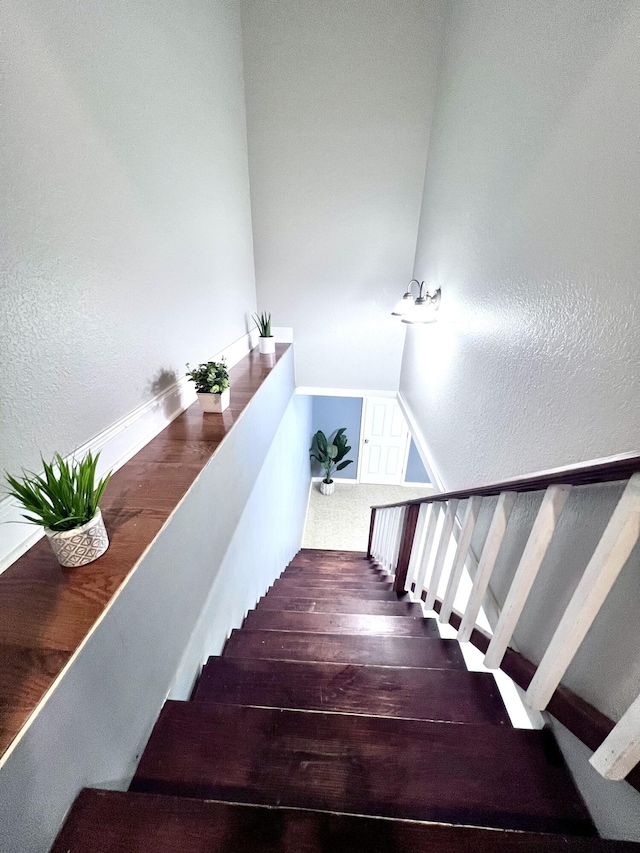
<point x="393" y="529"/>
<point x="428" y="545"/>
<point x="464" y="543"/>
<point x="619" y="753"/>
<point x="441" y="553"/>
<point x="383" y="536"/>
<point x="418" y="544"/>
<point x="610" y="555"/>
<point x="486" y="564"/>
<point x="387" y="538"/>
<point x="375" y="547"/>
<point x="541" y="534"/>
<point x="400" y="511"/>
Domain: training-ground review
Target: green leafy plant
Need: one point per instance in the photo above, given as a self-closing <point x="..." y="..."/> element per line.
<point x="263" y="322"/>
<point x="211" y="377"/>
<point x="330" y="454"/>
<point x="64" y="497"/>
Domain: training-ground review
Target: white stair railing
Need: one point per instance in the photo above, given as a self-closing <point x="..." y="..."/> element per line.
<point x="427" y="544"/>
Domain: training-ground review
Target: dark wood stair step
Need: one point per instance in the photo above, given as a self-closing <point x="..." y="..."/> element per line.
<point x="343" y="648"/>
<point x="462" y="774"/>
<point x="341" y="605"/>
<point x="117" y="822"/>
<point x="329" y="574"/>
<point x="341" y="623"/>
<point x="336" y="551"/>
<point x="302" y="590"/>
<point x="373" y="580"/>
<point x="419" y="694"/>
<point x="355" y="557"/>
<point x="332" y="583"/>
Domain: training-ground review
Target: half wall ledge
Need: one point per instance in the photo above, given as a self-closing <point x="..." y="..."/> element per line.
<point x="47" y="613"/>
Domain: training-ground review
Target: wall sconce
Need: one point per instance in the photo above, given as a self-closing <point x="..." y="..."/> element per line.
<point x="421" y="310"/>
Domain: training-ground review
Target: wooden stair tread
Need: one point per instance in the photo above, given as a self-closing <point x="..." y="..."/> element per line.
<point x="117" y="822"/>
<point x="302" y="590"/>
<point x="342" y="605"/>
<point x="342" y="648"/>
<point x="329" y="574"/>
<point x="479" y="775"/>
<point x="420" y="694"/>
<point x="341" y="623"/>
<point x="335" y="583"/>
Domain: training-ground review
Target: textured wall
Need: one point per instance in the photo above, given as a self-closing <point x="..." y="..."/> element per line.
<point x="339" y="98"/>
<point x="530" y="224"/>
<point x="126" y="228"/>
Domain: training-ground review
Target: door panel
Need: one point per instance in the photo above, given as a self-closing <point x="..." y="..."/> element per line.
<point x="385" y="442"/>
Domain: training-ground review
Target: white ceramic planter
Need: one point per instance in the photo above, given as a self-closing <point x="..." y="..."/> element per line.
<point x="215" y="402"/>
<point x="81" y="545"/>
<point x="267" y="345"/>
<point x="327" y="488"/>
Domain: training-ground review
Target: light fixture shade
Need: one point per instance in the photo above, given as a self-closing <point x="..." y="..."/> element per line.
<point x="403" y="305"/>
<point x="422" y="311"/>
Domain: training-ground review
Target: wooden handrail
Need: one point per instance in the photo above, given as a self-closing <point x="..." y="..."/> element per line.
<point x="607" y="470"/>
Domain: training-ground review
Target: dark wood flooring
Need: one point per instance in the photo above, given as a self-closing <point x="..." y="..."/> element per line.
<point x="327" y="726"/>
<point x="113" y="822"/>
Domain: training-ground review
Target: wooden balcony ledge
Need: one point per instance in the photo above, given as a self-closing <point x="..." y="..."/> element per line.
<point x="47" y="612"/>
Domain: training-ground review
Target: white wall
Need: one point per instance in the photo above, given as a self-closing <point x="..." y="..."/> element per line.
<point x="223" y="546"/>
<point x="530" y="223"/>
<point x="126" y="227"/>
<point x="339" y="99"/>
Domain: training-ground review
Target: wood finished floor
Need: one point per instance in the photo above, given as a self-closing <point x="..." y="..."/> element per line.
<point x="115" y="822"/>
<point x="47" y="611"/>
<point x="395" y="730"/>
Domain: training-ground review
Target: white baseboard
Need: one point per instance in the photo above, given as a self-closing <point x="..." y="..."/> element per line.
<point x="122" y="440"/>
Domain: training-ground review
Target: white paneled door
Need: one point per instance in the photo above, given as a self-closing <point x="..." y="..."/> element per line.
<point x="384" y="442"/>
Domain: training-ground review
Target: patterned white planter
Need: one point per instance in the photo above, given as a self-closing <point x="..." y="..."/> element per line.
<point x="327" y="488"/>
<point x="267" y="345"/>
<point x="215" y="402"/>
<point x="81" y="545"/>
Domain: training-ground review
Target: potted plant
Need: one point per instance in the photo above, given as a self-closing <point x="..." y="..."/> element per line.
<point x="330" y="455"/>
<point x="65" y="502"/>
<point x="212" y="385"/>
<point x="267" y="342"/>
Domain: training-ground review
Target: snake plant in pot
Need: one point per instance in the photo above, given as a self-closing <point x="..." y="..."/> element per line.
<point x="267" y="342"/>
<point x="330" y="456"/>
<point x="65" y="501"/>
<point x="212" y="385"/>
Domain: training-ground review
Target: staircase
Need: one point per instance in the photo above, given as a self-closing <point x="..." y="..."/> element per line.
<point x="337" y="721"/>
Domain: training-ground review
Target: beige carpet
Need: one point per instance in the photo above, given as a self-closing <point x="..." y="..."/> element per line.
<point x="341" y="521"/>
